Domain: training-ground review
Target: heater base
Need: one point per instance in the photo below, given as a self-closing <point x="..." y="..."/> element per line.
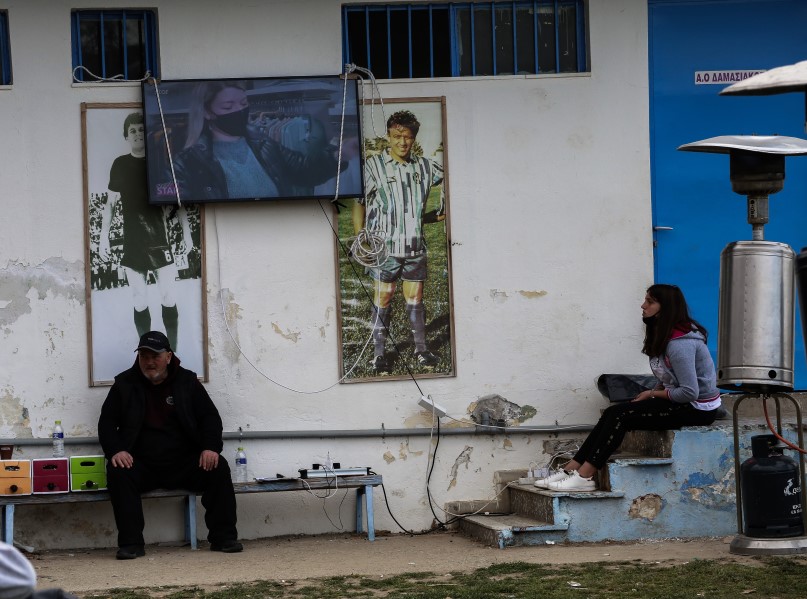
<point x="743" y="545"/>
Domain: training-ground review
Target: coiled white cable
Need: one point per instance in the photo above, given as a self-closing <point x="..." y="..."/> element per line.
<point x="369" y="248"/>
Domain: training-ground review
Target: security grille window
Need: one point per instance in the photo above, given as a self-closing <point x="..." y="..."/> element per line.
<point x="111" y="44"/>
<point x="5" y="50"/>
<point x="466" y="39"/>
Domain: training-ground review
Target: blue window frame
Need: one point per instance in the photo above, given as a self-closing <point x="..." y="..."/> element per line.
<point x="466" y="39"/>
<point x="114" y="43"/>
<point x="5" y="50"/>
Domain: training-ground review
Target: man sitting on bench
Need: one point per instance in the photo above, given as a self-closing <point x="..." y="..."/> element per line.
<point x="160" y="429"/>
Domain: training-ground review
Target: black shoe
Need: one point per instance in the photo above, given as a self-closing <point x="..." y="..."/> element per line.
<point x="130" y="552"/>
<point x="426" y="358"/>
<point x="379" y="364"/>
<point x="227" y="547"/>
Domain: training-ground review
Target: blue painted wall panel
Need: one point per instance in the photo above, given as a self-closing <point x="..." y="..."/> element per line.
<point x="692" y="191"/>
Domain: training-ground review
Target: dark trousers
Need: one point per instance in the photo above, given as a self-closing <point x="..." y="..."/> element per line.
<point x="218" y="498"/>
<point x="655" y="414"/>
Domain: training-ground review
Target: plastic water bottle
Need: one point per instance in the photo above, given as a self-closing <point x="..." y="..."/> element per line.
<point x="58" y="440"/>
<point x="241" y="466"/>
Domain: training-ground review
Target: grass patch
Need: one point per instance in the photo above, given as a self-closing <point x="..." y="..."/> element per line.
<point x="766" y="577"/>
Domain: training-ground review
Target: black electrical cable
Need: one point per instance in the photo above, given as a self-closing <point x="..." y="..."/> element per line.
<point x="431" y="530"/>
<point x="429" y="477"/>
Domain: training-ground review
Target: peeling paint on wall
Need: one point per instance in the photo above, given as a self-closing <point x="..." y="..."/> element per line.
<point x="493" y="409"/>
<point x="328" y="312"/>
<point x="295" y="337"/>
<point x="498" y="296"/>
<point x="463" y="458"/>
<point x="404" y="451"/>
<point x="532" y="294"/>
<point x="527" y="412"/>
<point x="55" y="276"/>
<point x="82" y="430"/>
<point x="13" y="415"/>
<point x="646" y="507"/>
<point x="388" y="457"/>
<point x="705" y="489"/>
<point x="232" y="314"/>
<point x="52" y="333"/>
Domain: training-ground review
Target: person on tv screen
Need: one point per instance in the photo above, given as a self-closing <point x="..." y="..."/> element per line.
<point x="146" y="246"/>
<point x="397" y="184"/>
<point x="226" y="158"/>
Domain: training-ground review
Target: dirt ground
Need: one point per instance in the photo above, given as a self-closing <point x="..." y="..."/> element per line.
<point x="296" y="558"/>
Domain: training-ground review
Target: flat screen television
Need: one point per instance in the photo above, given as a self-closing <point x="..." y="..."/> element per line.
<point x="236" y="140"/>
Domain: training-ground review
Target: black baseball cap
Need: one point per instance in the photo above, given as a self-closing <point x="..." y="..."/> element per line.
<point x="154" y="341"/>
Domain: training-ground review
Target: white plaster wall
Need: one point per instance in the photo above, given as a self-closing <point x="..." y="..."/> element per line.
<point x="552" y="250"/>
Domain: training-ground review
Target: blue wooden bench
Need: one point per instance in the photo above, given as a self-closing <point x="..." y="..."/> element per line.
<point x="363" y="485"/>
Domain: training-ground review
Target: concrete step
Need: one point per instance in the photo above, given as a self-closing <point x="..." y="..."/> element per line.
<point x="688" y="491"/>
<point x="511" y="530"/>
<point x="530" y="501"/>
<point x="656" y="444"/>
<point x="628" y="461"/>
<point x="539" y="516"/>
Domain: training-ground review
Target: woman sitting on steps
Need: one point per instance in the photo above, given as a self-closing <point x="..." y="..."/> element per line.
<point x="686" y="394"/>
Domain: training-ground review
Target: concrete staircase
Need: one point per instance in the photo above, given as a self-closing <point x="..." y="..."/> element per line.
<point x="674" y="484"/>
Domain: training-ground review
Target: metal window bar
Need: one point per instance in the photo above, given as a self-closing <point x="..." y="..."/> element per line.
<point x="452" y="34"/>
<point x="409" y="36"/>
<point x="557" y="39"/>
<point x="125" y="44"/>
<point x="493" y="36"/>
<point x="5" y="50"/>
<point x="150" y="35"/>
<point x="431" y="40"/>
<point x="77" y="57"/>
<point x="367" y="41"/>
<point x="514" y="21"/>
<point x="473" y="41"/>
<point x="101" y="24"/>
<point x="388" y="10"/>
<point x="454" y="38"/>
<point x="535" y="35"/>
<point x="582" y="65"/>
<point x="149" y="39"/>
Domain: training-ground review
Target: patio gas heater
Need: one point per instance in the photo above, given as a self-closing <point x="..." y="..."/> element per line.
<point x="755" y="345"/>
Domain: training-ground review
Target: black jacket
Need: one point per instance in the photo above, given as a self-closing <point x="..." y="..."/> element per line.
<point x="124" y="410"/>
<point x="200" y="176"/>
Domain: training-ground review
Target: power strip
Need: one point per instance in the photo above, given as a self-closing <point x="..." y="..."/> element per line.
<point x="328" y="472"/>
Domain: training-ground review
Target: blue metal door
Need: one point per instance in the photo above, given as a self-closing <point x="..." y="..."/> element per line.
<point x="695" y="212"/>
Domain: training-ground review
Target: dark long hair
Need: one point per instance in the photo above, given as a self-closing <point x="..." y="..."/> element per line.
<point x="673" y="314"/>
<point x="203" y="95"/>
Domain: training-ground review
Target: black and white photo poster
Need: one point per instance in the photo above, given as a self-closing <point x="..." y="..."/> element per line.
<point x="144" y="263"/>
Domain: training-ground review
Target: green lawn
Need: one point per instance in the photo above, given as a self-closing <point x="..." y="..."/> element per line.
<point x="766" y="578"/>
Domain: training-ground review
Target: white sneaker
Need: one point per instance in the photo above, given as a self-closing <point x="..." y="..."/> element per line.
<point x="573" y="482"/>
<point x="543" y="483"/>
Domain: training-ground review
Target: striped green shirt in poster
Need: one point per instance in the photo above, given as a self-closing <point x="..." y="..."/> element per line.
<point x="395" y="200"/>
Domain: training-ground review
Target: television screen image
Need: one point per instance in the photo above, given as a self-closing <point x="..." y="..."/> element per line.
<point x="235" y="140"/>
